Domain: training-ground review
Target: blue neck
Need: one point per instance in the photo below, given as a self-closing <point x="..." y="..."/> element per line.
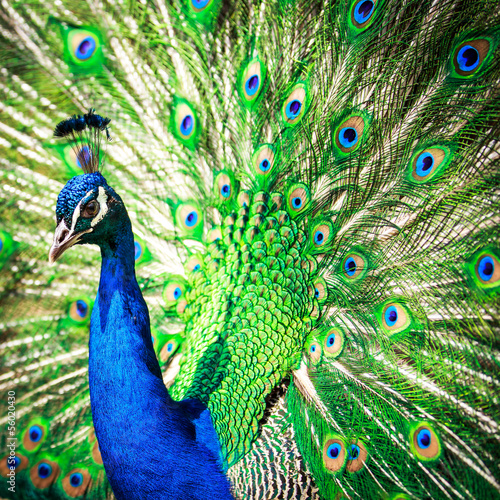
<point x="152" y="446"/>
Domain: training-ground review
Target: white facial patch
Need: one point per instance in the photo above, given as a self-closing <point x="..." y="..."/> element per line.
<point x="102" y="198"/>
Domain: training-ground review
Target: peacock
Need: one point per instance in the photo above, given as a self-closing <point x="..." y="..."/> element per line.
<point x="275" y="261"/>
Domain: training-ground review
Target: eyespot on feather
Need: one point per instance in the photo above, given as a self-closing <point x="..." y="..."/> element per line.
<point x="83" y="44"/>
<point x="298" y="199"/>
<point x="429" y="163"/>
<point x="76" y="482"/>
<point x="348" y="135"/>
<point x="34" y="435"/>
<point x="243" y="199"/>
<point x="395" y="318"/>
<point x="224" y="187"/>
<point x="320" y="290"/>
<point x="470" y="55"/>
<point x="194" y="264"/>
<point x="484" y="269"/>
<point x="362" y="13"/>
<point x="314" y="351"/>
<point x="200" y="5"/>
<point x="295" y="106"/>
<point x="354" y="266"/>
<point x="168" y="350"/>
<point x="184" y="123"/>
<point x="83" y="47"/>
<point x="189" y="219"/>
<point x="174" y="291"/>
<point x="333" y="342"/>
<point x="80" y="310"/>
<point x="18" y="461"/>
<point x="357" y="456"/>
<point x="424" y="442"/>
<point x="44" y="473"/>
<point x="334" y="454"/>
<point x="263" y="160"/>
<point x="321" y="235"/>
<point x="251" y="82"/>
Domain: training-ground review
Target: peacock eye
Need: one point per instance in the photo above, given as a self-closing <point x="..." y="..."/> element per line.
<point x="76" y="479"/>
<point x="91" y="209"/>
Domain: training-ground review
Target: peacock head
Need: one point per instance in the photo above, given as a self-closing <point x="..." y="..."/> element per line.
<point x="88" y="211"/>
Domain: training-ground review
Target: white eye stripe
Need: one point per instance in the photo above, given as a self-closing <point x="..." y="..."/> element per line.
<point x="76" y="216"/>
<point x="102" y="199"/>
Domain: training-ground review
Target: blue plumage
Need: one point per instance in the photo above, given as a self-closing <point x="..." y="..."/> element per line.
<point x="151" y="445"/>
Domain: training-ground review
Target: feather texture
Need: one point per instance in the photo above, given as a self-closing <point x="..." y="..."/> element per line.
<point x="313" y="189"/>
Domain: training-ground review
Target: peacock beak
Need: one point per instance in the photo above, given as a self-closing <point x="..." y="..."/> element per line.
<point x="64" y="238"/>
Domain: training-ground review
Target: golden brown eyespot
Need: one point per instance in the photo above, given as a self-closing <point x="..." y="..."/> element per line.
<point x="76" y="482"/>
<point x="295" y="105"/>
<point x="320" y="290"/>
<point x="334" y="342"/>
<point x="395" y="318"/>
<point x="348" y="134"/>
<point x="334" y="454"/>
<point x="34" y="436"/>
<point x="44" y="473"/>
<point x="298" y="198"/>
<point x="429" y="163"/>
<point x="314" y="352"/>
<point x="469" y="56"/>
<point x="357" y="455"/>
<point x="354" y="266"/>
<point x="424" y="442"/>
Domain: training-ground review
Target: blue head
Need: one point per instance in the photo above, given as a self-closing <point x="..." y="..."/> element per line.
<point x="87" y="211"/>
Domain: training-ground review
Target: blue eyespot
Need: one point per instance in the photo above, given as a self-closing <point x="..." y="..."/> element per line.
<point x="13" y="462"/>
<point x="191" y="219"/>
<point x="319" y="237"/>
<point x="76" y="479"/>
<point x="170" y="346"/>
<point x="177" y="293"/>
<point x="486" y="268"/>
<point x="200" y="4"/>
<point x="468" y="58"/>
<point x="316" y="293"/>
<point x="297" y="202"/>
<point x="1" y="245"/>
<point x="252" y="85"/>
<point x="265" y="165"/>
<point x="391" y="316"/>
<point x="225" y="190"/>
<point x="44" y="470"/>
<point x="350" y="266"/>
<point x="85" y="49"/>
<point x="348" y="137"/>
<point x="424" y="439"/>
<point x="334" y="450"/>
<point x="83" y="157"/>
<point x="363" y="11"/>
<point x="187" y="125"/>
<point x="81" y="309"/>
<point x="313" y="348"/>
<point x="353" y="452"/>
<point x="197" y="267"/>
<point x="424" y="165"/>
<point x="36" y="431"/>
<point x="330" y="340"/>
<point x="293" y="109"/>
